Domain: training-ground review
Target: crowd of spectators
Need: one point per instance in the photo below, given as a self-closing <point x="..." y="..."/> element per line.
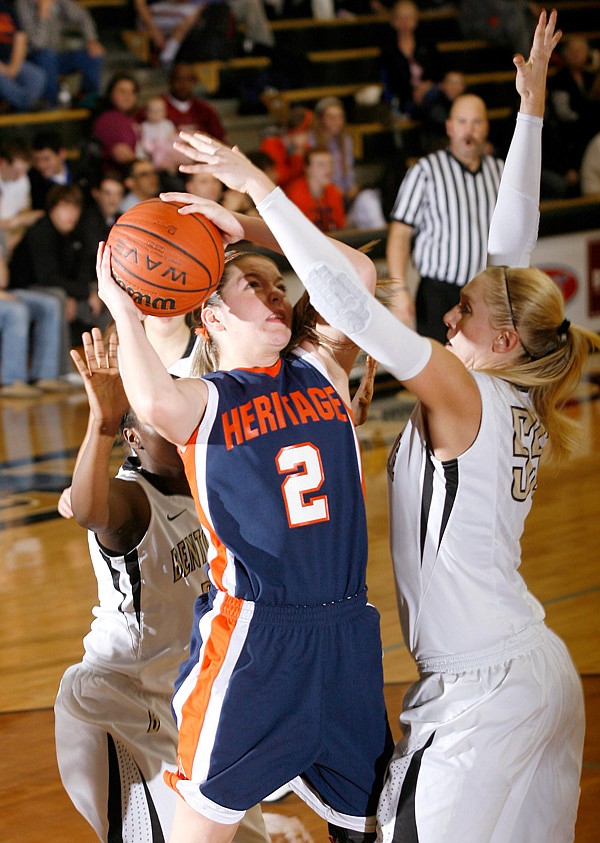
<point x="55" y="206"/>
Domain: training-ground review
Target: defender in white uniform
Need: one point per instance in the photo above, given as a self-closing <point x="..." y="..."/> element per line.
<point x="493" y="730"/>
<point x="115" y="732"/>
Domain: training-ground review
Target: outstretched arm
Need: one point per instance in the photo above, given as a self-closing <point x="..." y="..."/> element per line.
<point x="100" y="503"/>
<point x="397" y="253"/>
<point x="514" y="226"/>
<point x="237" y="172"/>
<point x="172" y="407"/>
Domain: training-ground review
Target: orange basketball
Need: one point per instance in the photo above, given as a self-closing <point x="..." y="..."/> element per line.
<point x="169" y="263"/>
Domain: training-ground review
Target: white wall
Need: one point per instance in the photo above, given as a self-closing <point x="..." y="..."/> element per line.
<point x="573" y="260"/>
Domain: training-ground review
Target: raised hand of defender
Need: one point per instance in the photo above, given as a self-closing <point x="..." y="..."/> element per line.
<point x="101" y="378"/>
<point x="228" y="164"/>
<point x="531" y="74"/>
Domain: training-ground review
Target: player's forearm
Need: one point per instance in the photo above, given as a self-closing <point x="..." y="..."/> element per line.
<point x="514" y="225"/>
<point x="299" y="240"/>
<point x="158" y="400"/>
<point x="338" y="293"/>
<point x="397" y="251"/>
<point x="23" y="218"/>
<point x="90" y="484"/>
<point x="257" y="231"/>
<point x="145" y="378"/>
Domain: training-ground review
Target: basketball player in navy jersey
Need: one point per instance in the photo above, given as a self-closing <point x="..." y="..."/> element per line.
<point x="286" y="652"/>
<point x="493" y="729"/>
<point x="115" y="736"/>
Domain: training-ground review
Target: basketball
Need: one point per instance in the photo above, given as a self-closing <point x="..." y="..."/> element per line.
<point x="169" y="263"/>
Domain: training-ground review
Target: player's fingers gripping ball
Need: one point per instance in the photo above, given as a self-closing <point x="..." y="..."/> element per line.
<point x="169" y="263"/>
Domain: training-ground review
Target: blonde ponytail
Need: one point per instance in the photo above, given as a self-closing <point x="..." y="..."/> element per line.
<point x="554" y="352"/>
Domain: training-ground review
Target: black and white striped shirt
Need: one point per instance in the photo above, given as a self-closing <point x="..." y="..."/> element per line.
<point x="450" y="209"/>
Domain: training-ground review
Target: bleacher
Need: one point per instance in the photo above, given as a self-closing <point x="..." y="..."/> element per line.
<point x="336" y="57"/>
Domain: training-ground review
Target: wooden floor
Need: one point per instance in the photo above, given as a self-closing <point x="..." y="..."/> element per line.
<point x="48" y="589"/>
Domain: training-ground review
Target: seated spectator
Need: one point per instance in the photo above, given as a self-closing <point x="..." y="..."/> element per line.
<point x="49" y="258"/>
<point x="286" y="144"/>
<point x="45" y="22"/>
<point x="49" y="167"/>
<point x="208" y="34"/>
<point x="507" y="23"/>
<point x="363" y="206"/>
<point x="590" y="167"/>
<point x="142" y="182"/>
<point x="189" y="28"/>
<point x="30" y="342"/>
<point x="187" y="112"/>
<point x="167" y="24"/>
<point x="435" y="109"/>
<point x="117" y="127"/>
<point x="409" y="63"/>
<point x="329" y="129"/>
<point x="574" y="106"/>
<point x="157" y="134"/>
<point x="21" y="82"/>
<point x="315" y="194"/>
<point x="16" y="214"/>
<point x="31" y="322"/>
<point x="98" y="217"/>
<point x="205" y="185"/>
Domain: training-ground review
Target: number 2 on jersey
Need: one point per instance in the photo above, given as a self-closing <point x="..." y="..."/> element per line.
<point x="304" y="461"/>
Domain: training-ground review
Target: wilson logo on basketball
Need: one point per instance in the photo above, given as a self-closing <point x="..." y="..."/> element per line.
<point x="150" y="303"/>
<point x="156" y="247"/>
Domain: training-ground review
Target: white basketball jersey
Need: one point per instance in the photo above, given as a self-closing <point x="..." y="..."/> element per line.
<point x="456" y="544"/>
<point x="148" y="591"/>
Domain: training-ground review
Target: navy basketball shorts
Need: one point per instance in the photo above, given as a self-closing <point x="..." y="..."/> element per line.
<point x="273" y="695"/>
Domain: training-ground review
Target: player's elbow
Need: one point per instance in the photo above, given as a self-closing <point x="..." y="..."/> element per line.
<point x="170" y="417"/>
<point x="150" y="409"/>
<point x="367" y="272"/>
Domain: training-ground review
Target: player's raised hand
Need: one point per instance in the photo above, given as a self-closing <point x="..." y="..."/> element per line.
<point x="228" y="164"/>
<point x="101" y="378"/>
<point x="231" y="230"/>
<point x="531" y="74"/>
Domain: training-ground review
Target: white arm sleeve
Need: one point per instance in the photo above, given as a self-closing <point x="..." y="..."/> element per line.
<point x="337" y="293"/>
<point x="514" y="226"/>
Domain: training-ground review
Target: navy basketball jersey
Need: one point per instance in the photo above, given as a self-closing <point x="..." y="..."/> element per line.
<point x="275" y="471"/>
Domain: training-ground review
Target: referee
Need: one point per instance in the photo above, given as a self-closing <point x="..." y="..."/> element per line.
<point x="442" y="213"/>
